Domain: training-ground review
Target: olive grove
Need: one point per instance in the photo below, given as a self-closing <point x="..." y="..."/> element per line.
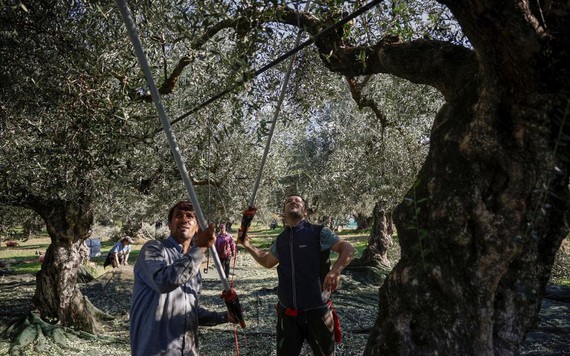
<point x="480" y="216"/>
<point x="64" y="139"/>
<point x="80" y="141"/>
<point x="480" y="227"/>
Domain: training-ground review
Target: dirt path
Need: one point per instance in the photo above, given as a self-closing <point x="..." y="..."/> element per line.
<point x="355" y="302"/>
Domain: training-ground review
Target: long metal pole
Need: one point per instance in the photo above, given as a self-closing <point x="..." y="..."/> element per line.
<point x="276" y="115"/>
<point x="132" y="31"/>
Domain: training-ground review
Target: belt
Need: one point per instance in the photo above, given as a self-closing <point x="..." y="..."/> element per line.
<point x="296" y="312"/>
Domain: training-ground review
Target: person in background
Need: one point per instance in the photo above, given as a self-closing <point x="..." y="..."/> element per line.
<point x="165" y="310"/>
<point x="305" y="281"/>
<point x="225" y="247"/>
<point x="273" y="224"/>
<point x="119" y="254"/>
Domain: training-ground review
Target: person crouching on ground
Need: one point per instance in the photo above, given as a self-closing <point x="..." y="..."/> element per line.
<point x="165" y="312"/>
<point x="120" y="252"/>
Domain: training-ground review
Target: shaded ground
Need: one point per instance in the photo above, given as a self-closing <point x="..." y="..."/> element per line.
<point x="355" y="302"/>
<point x="552" y="337"/>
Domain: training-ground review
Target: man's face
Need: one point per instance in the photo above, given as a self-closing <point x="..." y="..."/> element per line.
<point x="294" y="206"/>
<point x="183" y="225"/>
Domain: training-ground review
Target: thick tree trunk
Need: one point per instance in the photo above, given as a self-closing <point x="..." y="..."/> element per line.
<point x="478" y="242"/>
<point x="379" y="241"/>
<point x="57" y="297"/>
<point x="362" y="221"/>
<point x="480" y="229"/>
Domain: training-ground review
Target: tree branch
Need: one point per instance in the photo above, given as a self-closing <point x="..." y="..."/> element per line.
<point x="442" y="65"/>
<point x="361" y="101"/>
<point x="241" y="25"/>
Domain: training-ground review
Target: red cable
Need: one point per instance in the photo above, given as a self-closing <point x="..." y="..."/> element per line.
<point x="236" y="339"/>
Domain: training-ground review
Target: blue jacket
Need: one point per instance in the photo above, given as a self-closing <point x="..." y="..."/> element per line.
<point x="165" y="312"/>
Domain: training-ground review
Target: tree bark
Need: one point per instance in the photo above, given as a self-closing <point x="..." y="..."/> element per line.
<point x="380" y="240"/>
<point x="57" y="297"/>
<point x="362" y="221"/>
<point x="480" y="229"/>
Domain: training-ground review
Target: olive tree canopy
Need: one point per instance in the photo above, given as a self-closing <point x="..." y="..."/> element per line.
<point x="480" y="227"/>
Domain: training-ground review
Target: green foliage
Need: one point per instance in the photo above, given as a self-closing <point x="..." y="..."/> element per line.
<point x="87" y="132"/>
<point x="346" y="160"/>
<point x="93" y="135"/>
<point x="63" y="126"/>
<point x="150" y="232"/>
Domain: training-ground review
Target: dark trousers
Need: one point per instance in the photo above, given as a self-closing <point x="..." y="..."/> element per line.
<point x="226" y="265"/>
<point x="121" y="260"/>
<point x="316" y="326"/>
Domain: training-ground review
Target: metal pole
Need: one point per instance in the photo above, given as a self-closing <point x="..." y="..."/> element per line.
<point x="132" y="31"/>
<point x="276" y="115"/>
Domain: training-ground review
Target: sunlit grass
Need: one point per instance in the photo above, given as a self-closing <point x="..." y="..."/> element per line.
<point x="24" y="258"/>
<point x="28" y="268"/>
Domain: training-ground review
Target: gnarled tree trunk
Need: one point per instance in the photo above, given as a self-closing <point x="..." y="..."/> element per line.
<point x="480" y="229"/>
<point x="363" y="221"/>
<point x="380" y="240"/>
<point x="57" y="296"/>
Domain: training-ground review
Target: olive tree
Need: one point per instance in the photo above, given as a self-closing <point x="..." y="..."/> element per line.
<point x="65" y="139"/>
<point x="481" y="225"/>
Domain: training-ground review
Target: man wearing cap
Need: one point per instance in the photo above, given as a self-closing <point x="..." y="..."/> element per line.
<point x="119" y="254"/>
<point x="165" y="311"/>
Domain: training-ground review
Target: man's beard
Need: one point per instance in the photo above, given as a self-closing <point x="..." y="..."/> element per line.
<point x="295" y="214"/>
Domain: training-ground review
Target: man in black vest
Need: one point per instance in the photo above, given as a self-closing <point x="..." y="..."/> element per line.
<point x="305" y="281"/>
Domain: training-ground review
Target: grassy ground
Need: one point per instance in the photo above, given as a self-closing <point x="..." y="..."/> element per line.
<point x="254" y="284"/>
<point x="355" y="301"/>
<point x="25" y="256"/>
<point x="26" y="259"/>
